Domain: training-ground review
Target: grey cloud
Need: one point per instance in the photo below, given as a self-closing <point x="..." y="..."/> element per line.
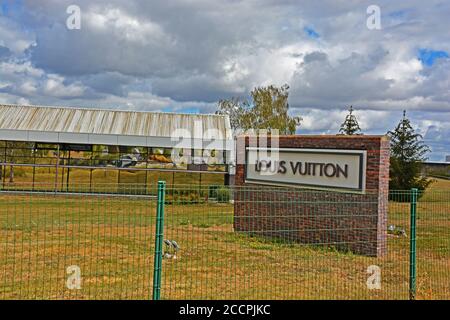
<point x="315" y="56"/>
<point x="158" y="55"/>
<point x="109" y="82"/>
<point x="180" y="48"/>
<point x="320" y="83"/>
<point x="4" y="53"/>
<point x="193" y="88"/>
<point x="193" y="38"/>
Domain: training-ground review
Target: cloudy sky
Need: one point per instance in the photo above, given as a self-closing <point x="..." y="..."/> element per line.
<point x="185" y="55"/>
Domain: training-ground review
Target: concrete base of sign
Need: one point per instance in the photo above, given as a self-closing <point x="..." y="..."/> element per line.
<point x="348" y="220"/>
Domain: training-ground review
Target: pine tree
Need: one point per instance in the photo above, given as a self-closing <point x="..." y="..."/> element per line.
<point x="407" y="154"/>
<point x="350" y="126"/>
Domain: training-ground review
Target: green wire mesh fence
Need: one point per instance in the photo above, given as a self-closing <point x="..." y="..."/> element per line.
<point x="76" y="246"/>
<point x="288" y="244"/>
<point x="220" y="243"/>
<point x="433" y="245"/>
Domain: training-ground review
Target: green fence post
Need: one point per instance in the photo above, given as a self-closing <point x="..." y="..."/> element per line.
<point x="159" y="238"/>
<point x="412" y="246"/>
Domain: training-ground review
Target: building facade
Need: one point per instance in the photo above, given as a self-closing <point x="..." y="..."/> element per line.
<point x="76" y="149"/>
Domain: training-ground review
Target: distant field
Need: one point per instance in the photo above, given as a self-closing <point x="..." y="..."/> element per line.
<point x="102" y="180"/>
<point x="438" y="185"/>
<point x="111" y="239"/>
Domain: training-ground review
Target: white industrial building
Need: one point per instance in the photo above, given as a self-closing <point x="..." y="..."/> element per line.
<point x="61" y="148"/>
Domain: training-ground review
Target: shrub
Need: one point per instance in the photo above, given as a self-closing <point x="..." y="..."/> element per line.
<point x="212" y="191"/>
<point x="223" y="195"/>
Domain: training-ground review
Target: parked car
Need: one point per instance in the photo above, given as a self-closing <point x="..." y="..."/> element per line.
<point x="127" y="161"/>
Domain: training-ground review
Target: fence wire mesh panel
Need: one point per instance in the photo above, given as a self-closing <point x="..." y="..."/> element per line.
<point x="267" y="243"/>
<point x="433" y="245"/>
<point x="76" y="245"/>
<point x="396" y="271"/>
<point x="221" y="242"/>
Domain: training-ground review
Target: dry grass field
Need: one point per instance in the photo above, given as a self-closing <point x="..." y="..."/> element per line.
<point x="96" y="180"/>
<point x="111" y="239"/>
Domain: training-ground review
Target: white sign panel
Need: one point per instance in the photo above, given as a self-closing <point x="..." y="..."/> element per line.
<point x="324" y="168"/>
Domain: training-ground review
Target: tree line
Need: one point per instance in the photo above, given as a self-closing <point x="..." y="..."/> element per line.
<point x="267" y="108"/>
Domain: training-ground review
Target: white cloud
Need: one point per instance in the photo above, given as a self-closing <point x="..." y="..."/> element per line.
<point x="21" y="78"/>
<point x="13" y="37"/>
<point x="329" y="121"/>
<point x="28" y="88"/>
<point x="54" y="86"/>
<point x="123" y="25"/>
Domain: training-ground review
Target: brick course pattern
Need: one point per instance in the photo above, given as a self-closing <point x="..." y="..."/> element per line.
<point x="344" y="220"/>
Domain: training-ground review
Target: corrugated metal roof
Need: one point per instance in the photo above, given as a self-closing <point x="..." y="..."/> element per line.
<point x="114" y="122"/>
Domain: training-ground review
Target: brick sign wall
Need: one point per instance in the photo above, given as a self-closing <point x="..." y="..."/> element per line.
<point x="348" y="220"/>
